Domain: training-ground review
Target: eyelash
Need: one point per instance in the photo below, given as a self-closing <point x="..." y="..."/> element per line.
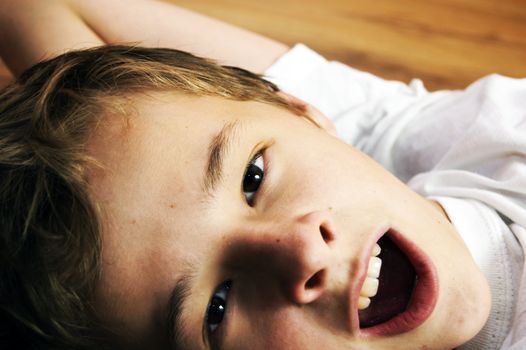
<point x="219" y="298"/>
<point x="262" y="166"/>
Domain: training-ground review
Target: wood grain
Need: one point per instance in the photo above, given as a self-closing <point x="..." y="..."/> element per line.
<point x="446" y="43"/>
<point x="5" y="75"/>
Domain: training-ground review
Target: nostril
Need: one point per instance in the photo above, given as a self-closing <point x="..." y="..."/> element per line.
<point x="325" y="234"/>
<point x="316" y="280"/>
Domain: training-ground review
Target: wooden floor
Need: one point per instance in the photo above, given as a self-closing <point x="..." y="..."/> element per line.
<point x="446" y="43"/>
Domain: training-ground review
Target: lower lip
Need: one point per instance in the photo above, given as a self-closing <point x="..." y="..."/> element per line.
<point x="424" y="297"/>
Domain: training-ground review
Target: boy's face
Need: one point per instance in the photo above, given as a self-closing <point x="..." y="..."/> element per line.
<point x="269" y="240"/>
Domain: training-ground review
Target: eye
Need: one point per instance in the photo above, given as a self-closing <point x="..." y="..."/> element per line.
<point x="253" y="178"/>
<point x="217" y="307"/>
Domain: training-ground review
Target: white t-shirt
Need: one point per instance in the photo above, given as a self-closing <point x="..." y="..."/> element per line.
<point x="466" y="149"/>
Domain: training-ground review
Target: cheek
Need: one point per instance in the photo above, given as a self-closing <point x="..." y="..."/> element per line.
<point x="283" y="330"/>
<point x="465" y="304"/>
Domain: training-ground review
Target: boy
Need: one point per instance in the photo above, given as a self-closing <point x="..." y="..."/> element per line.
<point x="146" y="190"/>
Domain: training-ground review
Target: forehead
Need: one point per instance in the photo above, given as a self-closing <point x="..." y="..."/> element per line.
<point x="157" y="150"/>
<point x="158" y="132"/>
<point x="163" y="137"/>
<point x="147" y="155"/>
<point x="145" y="120"/>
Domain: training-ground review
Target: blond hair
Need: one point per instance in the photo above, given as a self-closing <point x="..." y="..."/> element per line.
<point x="49" y="229"/>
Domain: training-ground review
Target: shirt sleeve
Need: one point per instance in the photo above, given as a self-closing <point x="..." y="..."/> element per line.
<point x="481" y="152"/>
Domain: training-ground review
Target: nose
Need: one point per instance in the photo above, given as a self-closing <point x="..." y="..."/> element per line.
<point x="294" y="254"/>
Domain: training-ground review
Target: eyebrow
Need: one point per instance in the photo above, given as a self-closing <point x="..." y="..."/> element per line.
<point x="176" y="306"/>
<point x="217" y="152"/>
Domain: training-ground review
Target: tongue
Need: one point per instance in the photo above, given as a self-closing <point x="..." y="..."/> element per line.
<point x="397" y="281"/>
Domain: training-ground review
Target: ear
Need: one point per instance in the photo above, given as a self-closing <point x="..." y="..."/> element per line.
<point x="311" y="113"/>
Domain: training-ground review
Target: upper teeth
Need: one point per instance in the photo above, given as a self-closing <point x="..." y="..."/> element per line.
<point x="370" y="285"/>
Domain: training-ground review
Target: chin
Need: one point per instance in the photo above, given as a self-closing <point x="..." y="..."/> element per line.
<point x="472" y="311"/>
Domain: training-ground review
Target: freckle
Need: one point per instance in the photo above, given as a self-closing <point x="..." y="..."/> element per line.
<point x="330" y="208"/>
<point x="172" y="206"/>
<point x="278" y="240"/>
<point x="133" y="222"/>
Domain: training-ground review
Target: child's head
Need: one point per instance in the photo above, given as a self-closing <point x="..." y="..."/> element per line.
<point x="164" y="196"/>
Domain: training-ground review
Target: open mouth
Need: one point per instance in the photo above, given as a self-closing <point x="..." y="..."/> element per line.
<point x="400" y="295"/>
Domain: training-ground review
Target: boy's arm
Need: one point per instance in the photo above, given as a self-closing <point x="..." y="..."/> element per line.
<point x="31" y="30"/>
<point x="34" y="30"/>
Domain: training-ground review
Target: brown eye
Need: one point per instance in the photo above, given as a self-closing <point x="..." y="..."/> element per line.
<point x="253" y="178"/>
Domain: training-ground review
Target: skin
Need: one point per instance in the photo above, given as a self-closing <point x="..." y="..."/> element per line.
<point x="320" y="203"/>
